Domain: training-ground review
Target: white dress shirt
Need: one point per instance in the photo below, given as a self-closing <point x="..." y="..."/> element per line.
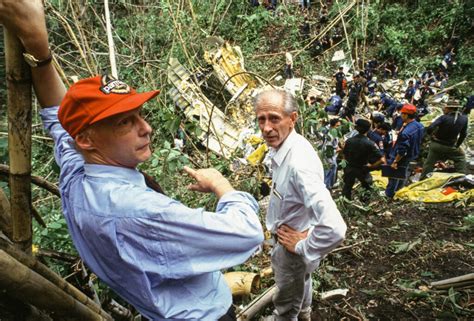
<point x="300" y="199"/>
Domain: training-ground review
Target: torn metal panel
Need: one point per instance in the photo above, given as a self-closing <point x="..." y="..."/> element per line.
<point x="222" y="137"/>
<point x="228" y="64"/>
<point x="221" y="134"/>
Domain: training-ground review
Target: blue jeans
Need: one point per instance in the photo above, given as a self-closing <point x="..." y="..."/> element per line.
<point x="394" y="184"/>
<point x="330" y="176"/>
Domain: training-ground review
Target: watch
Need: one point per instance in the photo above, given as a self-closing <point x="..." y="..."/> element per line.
<point x="35" y="62"/>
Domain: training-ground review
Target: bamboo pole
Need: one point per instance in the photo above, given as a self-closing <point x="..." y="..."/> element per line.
<point x="19" y="282"/>
<point x="38" y="267"/>
<point x="19" y="140"/>
<point x="38" y="181"/>
<point x="110" y="40"/>
<point x="258" y="304"/>
<point x="345" y="33"/>
<point x="454" y="282"/>
<point x="5" y="217"/>
<point x="22" y="311"/>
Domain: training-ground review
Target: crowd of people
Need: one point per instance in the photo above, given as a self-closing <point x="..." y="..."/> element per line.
<point x="388" y="134"/>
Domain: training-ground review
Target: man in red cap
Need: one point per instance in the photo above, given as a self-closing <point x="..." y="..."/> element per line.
<point x="159" y="255"/>
<point x="406" y="148"/>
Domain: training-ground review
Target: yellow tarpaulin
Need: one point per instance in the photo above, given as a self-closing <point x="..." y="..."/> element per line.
<point x="379" y="180"/>
<point x="432" y="190"/>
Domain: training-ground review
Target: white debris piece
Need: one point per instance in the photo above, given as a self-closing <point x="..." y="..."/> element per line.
<point x="334" y="294"/>
<point x="338" y="55"/>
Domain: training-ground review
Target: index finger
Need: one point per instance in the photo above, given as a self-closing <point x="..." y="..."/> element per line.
<point x="191" y="172"/>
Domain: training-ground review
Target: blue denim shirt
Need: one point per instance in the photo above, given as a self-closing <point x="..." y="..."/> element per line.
<point x="408" y="142"/>
<point x="159" y="255"/>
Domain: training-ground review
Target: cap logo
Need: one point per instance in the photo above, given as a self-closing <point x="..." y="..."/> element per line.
<point x="112" y="85"/>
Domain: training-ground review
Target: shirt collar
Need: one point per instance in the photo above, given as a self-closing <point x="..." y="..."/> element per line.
<point x="131" y="175"/>
<point x="280" y="153"/>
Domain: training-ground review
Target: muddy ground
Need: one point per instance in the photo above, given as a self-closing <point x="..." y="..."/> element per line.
<point x="392" y="253"/>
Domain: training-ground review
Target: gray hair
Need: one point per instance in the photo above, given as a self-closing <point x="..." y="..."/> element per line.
<point x="289" y="101"/>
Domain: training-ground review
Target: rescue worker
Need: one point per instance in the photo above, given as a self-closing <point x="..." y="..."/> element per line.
<point x="340" y="77"/>
<point x="410" y="92"/>
<point x="406" y="148"/>
<point x="354" y="97"/>
<point x="378" y="135"/>
<point x="447" y="134"/>
<point x="335" y="105"/>
<point x="362" y="156"/>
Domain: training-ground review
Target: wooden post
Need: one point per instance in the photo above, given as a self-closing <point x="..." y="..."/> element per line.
<point x="19" y="140"/>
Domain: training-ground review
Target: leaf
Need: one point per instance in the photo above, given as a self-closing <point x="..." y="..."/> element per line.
<point x="427" y="274"/>
<point x="54" y="225"/>
<point x="402" y="247"/>
<point x="416" y="294"/>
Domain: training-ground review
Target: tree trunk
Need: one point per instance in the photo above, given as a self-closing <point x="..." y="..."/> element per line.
<point x="19" y="140"/>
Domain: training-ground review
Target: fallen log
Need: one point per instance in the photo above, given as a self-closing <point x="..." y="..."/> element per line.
<point x="19" y="282"/>
<point x="256" y="305"/>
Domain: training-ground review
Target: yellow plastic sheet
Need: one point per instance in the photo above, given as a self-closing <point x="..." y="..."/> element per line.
<point x="431" y="190"/>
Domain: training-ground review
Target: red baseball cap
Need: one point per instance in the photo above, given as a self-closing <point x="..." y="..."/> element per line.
<point x="408" y="109"/>
<point x="92" y="99"/>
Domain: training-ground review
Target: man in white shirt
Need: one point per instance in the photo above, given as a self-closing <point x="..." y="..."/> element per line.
<point x="302" y="216"/>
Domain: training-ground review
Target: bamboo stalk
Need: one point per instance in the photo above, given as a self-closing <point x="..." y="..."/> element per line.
<point x="256" y="305"/>
<point x="38" y="181"/>
<point x="347" y="37"/>
<point x="22" y="283"/>
<point x="19" y="140"/>
<point x="43" y="271"/>
<point x="453" y="281"/>
<point x="110" y="40"/>
<point x="5" y="217"/>
<point x="22" y="311"/>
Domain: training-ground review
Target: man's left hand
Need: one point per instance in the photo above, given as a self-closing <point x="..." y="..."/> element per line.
<point x="288" y="237"/>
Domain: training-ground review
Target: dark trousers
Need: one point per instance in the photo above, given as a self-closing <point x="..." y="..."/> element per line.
<point x="440" y="152"/>
<point x="350" y="176"/>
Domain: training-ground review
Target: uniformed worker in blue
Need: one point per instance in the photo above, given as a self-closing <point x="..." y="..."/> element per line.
<point x="405" y="149"/>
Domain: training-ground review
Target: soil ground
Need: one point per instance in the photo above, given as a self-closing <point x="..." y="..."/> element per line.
<point x="392" y="252"/>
